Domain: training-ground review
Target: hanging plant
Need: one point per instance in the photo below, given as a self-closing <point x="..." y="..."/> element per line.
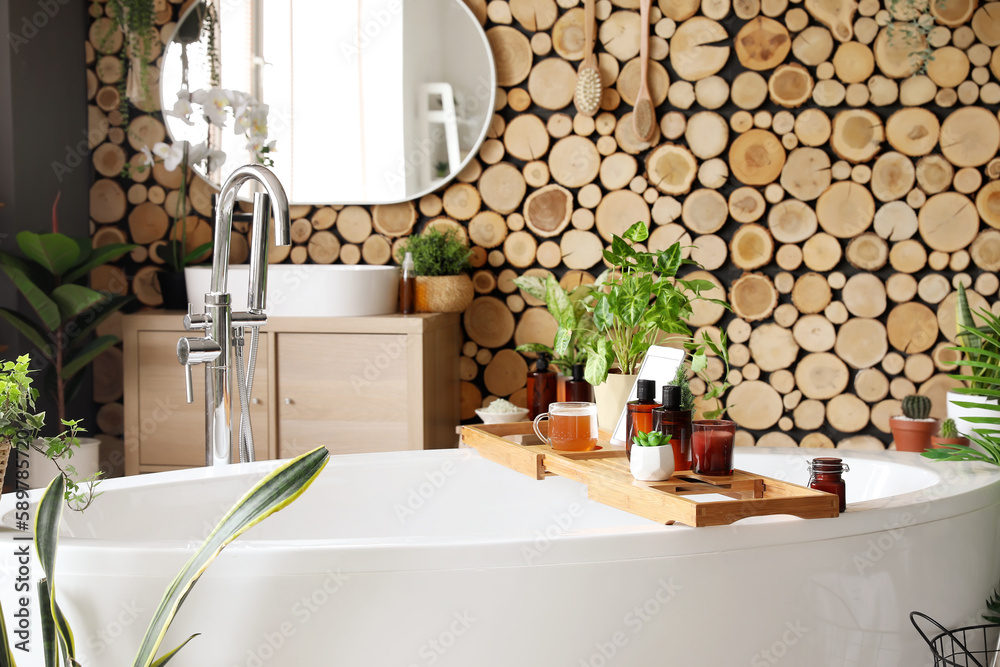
<point x="137" y="20"/>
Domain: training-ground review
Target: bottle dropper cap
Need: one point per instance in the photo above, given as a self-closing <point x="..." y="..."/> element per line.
<point x="671" y="397"/>
<point x="408" y="263"/>
<point x="577" y="372"/>
<point x="646" y="390"/>
<point x="542" y="365"/>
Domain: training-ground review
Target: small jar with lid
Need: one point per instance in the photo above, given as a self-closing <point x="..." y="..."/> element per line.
<point x="825" y="475"/>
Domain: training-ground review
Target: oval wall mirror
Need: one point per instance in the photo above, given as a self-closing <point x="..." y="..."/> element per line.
<point x="369" y="101"/>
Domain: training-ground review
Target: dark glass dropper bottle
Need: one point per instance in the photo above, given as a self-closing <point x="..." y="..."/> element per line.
<point x="542" y="386"/>
<point x="673" y="421"/>
<point x="639" y="413"/>
<point x="578" y="389"/>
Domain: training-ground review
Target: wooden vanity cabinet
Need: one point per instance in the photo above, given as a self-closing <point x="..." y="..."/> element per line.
<point x="352" y="384"/>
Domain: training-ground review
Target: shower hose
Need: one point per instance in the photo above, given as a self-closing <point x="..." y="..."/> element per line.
<point x="244" y="382"/>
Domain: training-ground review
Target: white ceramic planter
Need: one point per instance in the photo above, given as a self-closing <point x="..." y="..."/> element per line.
<point x="959" y="414"/>
<point x="86" y="460"/>
<point x="652" y="464"/>
<point x="611" y="397"/>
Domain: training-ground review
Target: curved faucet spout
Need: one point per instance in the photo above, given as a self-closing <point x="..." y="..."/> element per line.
<point x="224" y="227"/>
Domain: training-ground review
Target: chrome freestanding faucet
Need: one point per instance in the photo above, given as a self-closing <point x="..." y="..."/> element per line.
<point x="223" y="328"/>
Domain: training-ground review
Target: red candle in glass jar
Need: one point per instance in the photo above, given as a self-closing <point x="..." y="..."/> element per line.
<point x="712" y="447"/>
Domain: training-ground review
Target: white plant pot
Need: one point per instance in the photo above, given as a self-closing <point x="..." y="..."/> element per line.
<point x="959" y="414"/>
<point x="652" y="464"/>
<point x="86" y="460"/>
<point x="611" y="397"/>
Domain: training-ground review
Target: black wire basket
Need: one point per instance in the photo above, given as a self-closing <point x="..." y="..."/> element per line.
<point x="965" y="647"/>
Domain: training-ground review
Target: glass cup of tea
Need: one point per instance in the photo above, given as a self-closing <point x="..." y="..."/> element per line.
<point x="712" y="446"/>
<point x="572" y="426"/>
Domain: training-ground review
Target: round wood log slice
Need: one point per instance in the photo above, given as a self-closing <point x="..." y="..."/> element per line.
<point x="751" y="247"/>
<point x="822" y="252"/>
<point x="505" y="373"/>
<point x="867" y="252"/>
<point x="912" y="328"/>
<point x="694" y="54"/>
<point x="671" y="169"/>
<point x="709" y="251"/>
<point x="790" y="85"/>
<point x="512" y="54"/>
<point x="756" y="157"/>
<point x="871" y="385"/>
<point x="814" y="333"/>
<point x="618" y="211"/>
<point x="461" y="201"/>
<point x="845" y="210"/>
<point x="864" y="295"/>
<point x="970" y="136"/>
<point x="986" y="24"/>
<point x="792" y="221"/>
<point x="861" y="342"/>
<point x="946" y="315"/>
<point x="896" y="221"/>
<point x="619" y="34"/>
<point x="707" y="134"/>
<point x="147" y="223"/>
<point x="746" y="204"/>
<point x="376" y="250"/>
<point x="773" y="347"/>
<point x="813" y="127"/>
<point x="837" y="15"/>
<point x="536" y="325"/>
<point x="705" y="211"/>
<point x="547" y="211"/>
<point x="762" y="44"/>
<point x="934" y="174"/>
<point x="749" y="90"/>
<point x="658" y="81"/>
<point x="107" y="201"/>
<point x="146" y="286"/>
<point x="574" y="162"/>
<point x="809" y="415"/>
<point x="908" y="256"/>
<point x="552" y="83"/>
<point x="985" y="250"/>
<point x="526" y="137"/>
<point x="898" y="51"/>
<point x="488" y="322"/>
<point x="679" y="10"/>
<point x="753" y="297"/>
<point x="857" y="135"/>
<point x="952" y="13"/>
<point x="706" y="313"/>
<point x="323" y="247"/>
<point x="520" y="248"/>
<point x="580" y="249"/>
<point x="754" y="405"/>
<point x="618" y="170"/>
<point x="811" y="293"/>
<point x="847" y="413"/>
<point x="893" y="176"/>
<point x="853" y="62"/>
<point x="502" y="187"/>
<point x="806" y="173"/>
<point x="391" y="219"/>
<point x="108" y="376"/>
<point x="821" y="376"/>
<point x="487" y="229"/>
<point x="948" y="221"/>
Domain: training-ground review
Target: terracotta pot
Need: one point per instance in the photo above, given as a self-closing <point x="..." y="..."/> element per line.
<point x="912" y="435"/>
<point x="444" y="294"/>
<point x="938" y="442"/>
<point x="611" y="397"/>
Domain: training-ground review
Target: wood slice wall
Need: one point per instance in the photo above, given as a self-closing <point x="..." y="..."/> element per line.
<point x="830" y="164"/>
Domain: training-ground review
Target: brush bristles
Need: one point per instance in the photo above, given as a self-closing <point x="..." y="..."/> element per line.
<point x="642" y="119"/>
<point x="588" y="91"/>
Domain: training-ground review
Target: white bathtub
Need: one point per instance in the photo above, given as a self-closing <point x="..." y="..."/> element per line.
<point x="443" y="558"/>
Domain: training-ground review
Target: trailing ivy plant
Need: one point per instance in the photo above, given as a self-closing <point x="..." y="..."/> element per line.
<point x="137" y="20"/>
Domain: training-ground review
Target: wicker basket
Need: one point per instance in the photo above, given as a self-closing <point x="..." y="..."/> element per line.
<point x="444" y="294"/>
<point x="5" y="449"/>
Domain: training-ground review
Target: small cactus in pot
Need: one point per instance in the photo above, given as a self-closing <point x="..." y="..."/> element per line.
<point x="949" y="436"/>
<point x="912" y="430"/>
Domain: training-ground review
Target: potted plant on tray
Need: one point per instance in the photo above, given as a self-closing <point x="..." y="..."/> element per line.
<point x="912" y="431"/>
<point x="575" y="322"/>
<point x="20" y="427"/>
<point x="652" y="457"/>
<point x="949" y="435"/>
<point x="441" y="262"/>
<point x="636" y="303"/>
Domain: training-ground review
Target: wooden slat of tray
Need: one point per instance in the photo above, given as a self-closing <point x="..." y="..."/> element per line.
<point x="606" y="473"/>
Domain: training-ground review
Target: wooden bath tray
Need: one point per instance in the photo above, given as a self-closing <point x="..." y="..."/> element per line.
<point x="606" y="473"/>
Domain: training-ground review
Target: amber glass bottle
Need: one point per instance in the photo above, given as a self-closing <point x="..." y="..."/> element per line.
<point x="639" y="413"/>
<point x="408" y="286"/>
<point x="578" y="389"/>
<point x="542" y="386"/>
<point x="671" y="419"/>
<point x="825" y="475"/>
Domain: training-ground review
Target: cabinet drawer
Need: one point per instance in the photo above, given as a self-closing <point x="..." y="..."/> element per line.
<point x="171" y="432"/>
<point x="345" y="391"/>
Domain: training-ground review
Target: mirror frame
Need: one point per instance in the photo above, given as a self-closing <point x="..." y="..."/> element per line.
<point x="473" y="151"/>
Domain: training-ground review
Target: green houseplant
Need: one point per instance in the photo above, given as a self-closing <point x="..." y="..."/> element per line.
<point x="20" y="428"/>
<point x="636" y="303"/>
<point x="441" y="262"/>
<point x="571" y="314"/>
<point x="913" y="430"/>
<point x="948" y="435"/>
<point x="276" y="491"/>
<point x="976" y="399"/>
<point x="652" y="458"/>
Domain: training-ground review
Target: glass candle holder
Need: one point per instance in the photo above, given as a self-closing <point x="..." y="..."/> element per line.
<point x="825" y="475"/>
<point x="712" y="446"/>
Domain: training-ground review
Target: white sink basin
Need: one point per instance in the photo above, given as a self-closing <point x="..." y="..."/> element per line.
<point x="307" y="290"/>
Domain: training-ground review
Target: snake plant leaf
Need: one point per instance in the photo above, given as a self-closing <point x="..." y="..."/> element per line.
<point x="50" y="647"/>
<point x="45" y="307"/>
<point x="28" y="329"/>
<point x="74" y="299"/>
<point x="6" y="656"/>
<point x="56" y="253"/>
<point x="99" y="257"/>
<point x="637" y="233"/>
<point x="86" y="355"/>
<point x="271" y="494"/>
<point x="47" y="518"/>
<point x="167" y="656"/>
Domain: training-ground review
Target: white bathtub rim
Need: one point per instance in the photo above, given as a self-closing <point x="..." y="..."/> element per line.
<point x="972" y="488"/>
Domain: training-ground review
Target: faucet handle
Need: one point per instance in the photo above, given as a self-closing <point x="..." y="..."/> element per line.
<point x="195" y="321"/>
<point x="191" y="351"/>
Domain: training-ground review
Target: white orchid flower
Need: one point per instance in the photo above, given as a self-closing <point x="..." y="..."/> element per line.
<point x="148" y="154"/>
<point x="214" y="102"/>
<point x="258" y="120"/>
<point x="171" y="154"/>
<point x="182" y="107"/>
<point x="214" y="158"/>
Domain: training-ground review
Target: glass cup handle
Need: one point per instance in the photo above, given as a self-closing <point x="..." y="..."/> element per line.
<point x="534" y="425"/>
